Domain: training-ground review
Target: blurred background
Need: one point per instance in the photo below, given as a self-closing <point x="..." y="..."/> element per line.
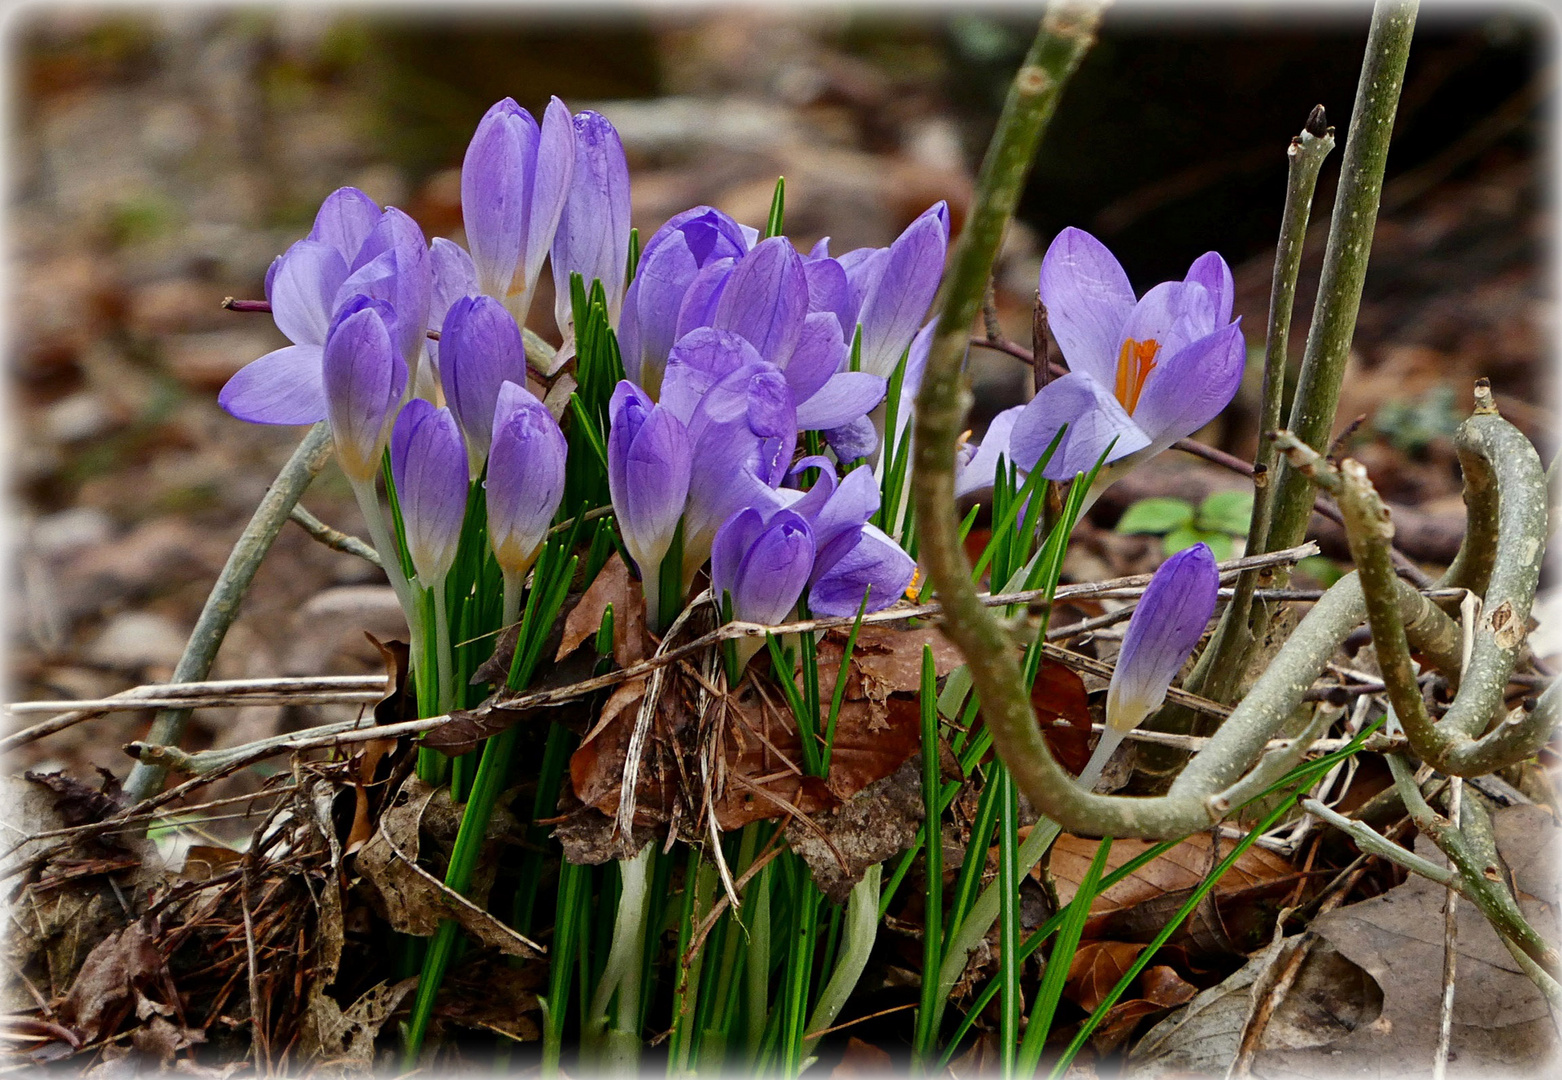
<point x="160" y="158"/>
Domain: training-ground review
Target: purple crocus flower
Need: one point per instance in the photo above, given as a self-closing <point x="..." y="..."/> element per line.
<point x="354" y="249"/>
<point x="762" y="563"/>
<point x="515" y="179"/>
<point x="649" y="455"/>
<point x="593" y="234"/>
<point x="525" y="477"/>
<point x="454" y="276"/>
<point x="891" y="288"/>
<point x="854" y="558"/>
<point x="1146" y="372"/>
<point x="976" y="469"/>
<point x="428" y="466"/>
<point x="1165" y="627"/>
<point x="482" y="350"/>
<point x="668" y="265"/>
<point x="364" y="378"/>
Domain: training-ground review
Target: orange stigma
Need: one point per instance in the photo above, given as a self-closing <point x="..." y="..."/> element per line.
<point x="1134" y="364"/>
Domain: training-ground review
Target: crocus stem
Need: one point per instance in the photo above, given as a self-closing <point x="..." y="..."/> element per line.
<point x="369" y="504"/>
<point x="651" y="588"/>
<point x="1345" y="258"/>
<point x="620" y="1046"/>
<point x="222" y="604"/>
<point x="514" y="593"/>
<point x="1110" y="740"/>
<point x="445" y="658"/>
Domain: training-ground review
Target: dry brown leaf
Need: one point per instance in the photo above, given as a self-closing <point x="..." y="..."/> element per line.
<point x="614" y="585"/>
<point x="112" y="981"/>
<point x="861" y="1059"/>
<point x="877" y="822"/>
<point x="1145" y="899"/>
<point x="1096" y="968"/>
<point x="397" y="704"/>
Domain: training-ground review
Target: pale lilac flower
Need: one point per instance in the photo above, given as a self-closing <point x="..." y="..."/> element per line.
<point x="593" y="234"/>
<point x="853" y="557"/>
<point x="1145" y="372"/>
<point x="525" y="481"/>
<point x="354" y="249"/>
<point x="1166" y="626"/>
<point x="481" y="350"/>
<point x="428" y="467"/>
<point x="890" y="289"/>
<point x="649" y="455"/>
<point x="515" y="179"/>
<point x="762" y="563"/>
<point x="669" y="263"/>
<point x="364" y="378"/>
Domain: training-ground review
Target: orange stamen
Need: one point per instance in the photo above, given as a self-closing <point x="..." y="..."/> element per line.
<point x="1134" y="363"/>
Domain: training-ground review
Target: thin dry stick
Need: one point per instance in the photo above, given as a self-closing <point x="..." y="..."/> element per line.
<point x="1450" y="947"/>
<point x="333" y="538"/>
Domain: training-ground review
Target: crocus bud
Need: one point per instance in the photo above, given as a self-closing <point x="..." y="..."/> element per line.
<point x="1165" y="627"/>
<point x="897" y="286"/>
<point x="364" y="378"/>
<point x="514" y="181"/>
<point x="668" y="265"/>
<point x="593" y="234"/>
<point x="428" y="465"/>
<point x="762" y="564"/>
<point x="480" y="349"/>
<point x="525" y="477"/>
<point x="648" y="461"/>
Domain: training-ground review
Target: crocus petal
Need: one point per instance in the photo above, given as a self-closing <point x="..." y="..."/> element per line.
<point x="1165" y="627"/>
<point x="893" y="310"/>
<point x="773" y="571"/>
<point x="649" y="457"/>
<point x="364" y="377"/>
<point x="1173" y="314"/>
<point x="828" y="290"/>
<point x="700" y="360"/>
<point x="303" y="288"/>
<point x="698" y="307"/>
<point x="428" y="466"/>
<point x="454" y="276"/>
<point x="855" y="440"/>
<point x="593" y="232"/>
<point x="863" y="268"/>
<point x="525" y="481"/>
<point x="1094" y="418"/>
<point x="412" y="284"/>
<point x="344" y="221"/>
<point x="550" y="174"/>
<point x="849" y="506"/>
<point x="875" y="566"/>
<point x="481" y="350"/>
<point x="980" y="471"/>
<point x="1192" y="386"/>
<point x="493" y="193"/>
<point x="1088" y="298"/>
<point x="845" y="397"/>
<point x="1211" y="271"/>
<point x="766" y="299"/>
<point x="282" y="387"/>
<point x="733" y="540"/>
<point x="820" y="352"/>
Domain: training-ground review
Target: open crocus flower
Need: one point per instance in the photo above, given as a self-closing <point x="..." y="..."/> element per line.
<point x="515" y="179"/>
<point x="481" y="350"/>
<point x="354" y="249"/>
<point x="669" y="263"/>
<point x="525" y="482"/>
<point x="854" y="559"/>
<point x="364" y="378"/>
<point x="1145" y="372"/>
<point x="428" y="467"/>
<point x="593" y="235"/>
<point x="1165" y="627"/>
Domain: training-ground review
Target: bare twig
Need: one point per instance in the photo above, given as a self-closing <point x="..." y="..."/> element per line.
<point x="333" y="538"/>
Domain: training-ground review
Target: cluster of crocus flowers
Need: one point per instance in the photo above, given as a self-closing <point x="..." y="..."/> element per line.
<point x="1165" y="627"/>
<point x="1143" y="372"/>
